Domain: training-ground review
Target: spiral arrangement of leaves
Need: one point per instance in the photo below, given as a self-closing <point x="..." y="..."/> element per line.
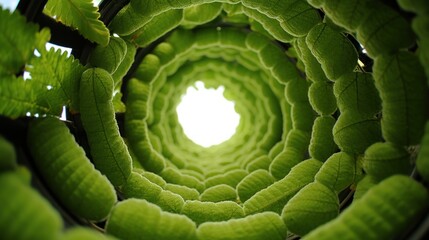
<point x="331" y="143"/>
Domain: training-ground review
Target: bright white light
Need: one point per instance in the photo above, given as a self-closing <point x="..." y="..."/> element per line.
<point x="207" y="118"/>
<point x="9" y="4"/>
<point x="26" y="75"/>
<point x="63" y="114"/>
<point x="363" y="49"/>
<point x="56" y="47"/>
<point x="96" y="2"/>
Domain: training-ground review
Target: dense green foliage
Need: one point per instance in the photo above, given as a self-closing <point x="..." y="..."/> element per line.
<point x="332" y="97"/>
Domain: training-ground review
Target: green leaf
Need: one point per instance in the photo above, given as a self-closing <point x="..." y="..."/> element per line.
<point x="401" y="82"/>
<point x="313" y="69"/>
<point x="285" y="161"/>
<point x="88" y="233"/>
<point x="42" y="38"/>
<point x="384" y="212"/>
<point x="348" y="14"/>
<point x="185" y="192"/>
<point x="18" y="97"/>
<point x="314" y="205"/>
<point x="321" y="97"/>
<point x="338" y="172"/>
<point x="231" y="178"/>
<point x="253" y="183"/>
<point x="298" y="139"/>
<point x="170" y="202"/>
<point x="67" y="171"/>
<point x="356" y="92"/>
<point x="155" y="178"/>
<point x="17" y="41"/>
<point x="295" y="17"/>
<point x="81" y="15"/>
<point x="420" y="26"/>
<point x="322" y="144"/>
<point x="266" y="225"/>
<point x="219" y="193"/>
<point x="137" y="99"/>
<point x="201" y="212"/>
<point x="418" y="6"/>
<point x="108" y="150"/>
<point x="200" y="14"/>
<point x="139" y="219"/>
<point x="172" y="175"/>
<point x="123" y="69"/>
<point x="385" y="159"/>
<point x="353" y="133"/>
<point x="25" y="213"/>
<point x="138" y="186"/>
<point x="118" y="105"/>
<point x="422" y="162"/>
<point x="296" y="91"/>
<point x="263" y="23"/>
<point x="274" y="197"/>
<point x="138" y="140"/>
<point x="109" y="57"/>
<point x="262" y="162"/>
<point x="363" y="186"/>
<point x="7" y="155"/>
<point x="316" y="3"/>
<point x="379" y="31"/>
<point x="157" y="27"/>
<point x="60" y="74"/>
<point x="298" y="18"/>
<point x="302" y="116"/>
<point x="334" y="51"/>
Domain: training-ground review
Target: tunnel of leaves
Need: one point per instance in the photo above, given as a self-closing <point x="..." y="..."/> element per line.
<point x="333" y="106"/>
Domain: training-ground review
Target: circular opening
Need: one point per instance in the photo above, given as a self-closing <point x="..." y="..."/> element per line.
<point x="207" y="118"/>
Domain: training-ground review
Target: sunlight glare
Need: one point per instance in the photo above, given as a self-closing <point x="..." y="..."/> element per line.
<point x="206" y="117"/>
<point x="56" y="47"/>
<point x="9" y="4"/>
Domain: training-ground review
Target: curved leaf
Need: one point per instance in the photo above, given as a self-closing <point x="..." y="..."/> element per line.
<point x="314" y="205"/>
<point x="137" y="219"/>
<point x="201" y="212"/>
<point x="422" y="162"/>
<point x="333" y="50"/>
<point x="68" y="172"/>
<point x="19" y="97"/>
<point x="266" y="225"/>
<point x="253" y="183"/>
<point x="400" y="79"/>
<point x="385" y="211"/>
<point x="108" y="149"/>
<point x="353" y="133"/>
<point x="81" y="15"/>
<point x="338" y="172"/>
<point x="321" y="97"/>
<point x="17" y="41"/>
<point x="59" y="75"/>
<point x="356" y="92"/>
<point x="25" y="213"/>
<point x="381" y="160"/>
<point x="274" y="197"/>
<point x="219" y="193"/>
<point x="7" y="155"/>
<point x="322" y="143"/>
<point x="379" y="31"/>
